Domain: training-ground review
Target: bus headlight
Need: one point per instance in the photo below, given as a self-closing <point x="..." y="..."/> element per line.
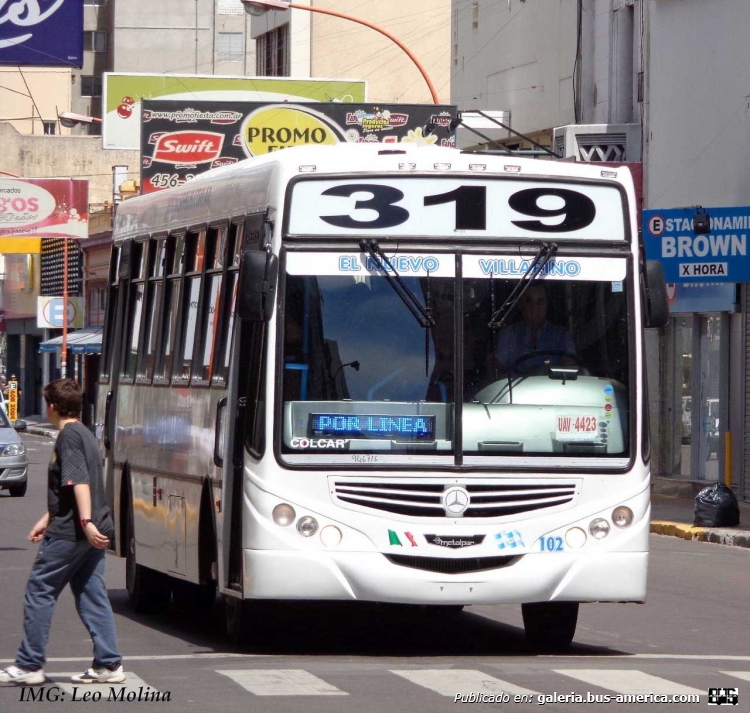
<point x="283" y="515"/>
<point x="330" y="536"/>
<point x="307" y="526"/>
<point x="575" y="538"/>
<point x="622" y="517"/>
<point x="599" y="528"/>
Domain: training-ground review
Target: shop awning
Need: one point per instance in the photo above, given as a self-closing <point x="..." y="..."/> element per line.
<point x="81" y="341"/>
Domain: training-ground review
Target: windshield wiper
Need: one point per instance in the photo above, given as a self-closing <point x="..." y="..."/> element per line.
<point x="545" y="253"/>
<point x="422" y="314"/>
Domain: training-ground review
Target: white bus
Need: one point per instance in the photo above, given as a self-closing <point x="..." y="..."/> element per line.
<point x="321" y="380"/>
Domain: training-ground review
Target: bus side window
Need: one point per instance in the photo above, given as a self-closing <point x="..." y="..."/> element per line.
<point x="170" y="302"/>
<point x="223" y="342"/>
<point x="154" y="289"/>
<point x="133" y="320"/>
<point x="195" y="247"/>
<point x="203" y="359"/>
<point x="110" y="312"/>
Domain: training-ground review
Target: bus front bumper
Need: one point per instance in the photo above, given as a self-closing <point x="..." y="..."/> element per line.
<point x="532" y="577"/>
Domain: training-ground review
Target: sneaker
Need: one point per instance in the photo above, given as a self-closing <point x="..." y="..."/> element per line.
<point x="100" y="675"/>
<point x="22" y="677"/>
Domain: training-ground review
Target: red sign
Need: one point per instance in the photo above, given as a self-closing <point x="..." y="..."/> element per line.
<point x="44" y="207"/>
<point x="225" y="161"/>
<point x="188" y="147"/>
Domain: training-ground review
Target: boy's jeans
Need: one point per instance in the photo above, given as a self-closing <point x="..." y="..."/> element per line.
<point x="58" y="563"/>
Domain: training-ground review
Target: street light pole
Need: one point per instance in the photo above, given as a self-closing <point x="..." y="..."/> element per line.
<point x="258" y="7"/>
<point x="64" y="354"/>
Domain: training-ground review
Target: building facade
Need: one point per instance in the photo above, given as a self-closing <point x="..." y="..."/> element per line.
<point x="300" y="43"/>
<point x="634" y="81"/>
<point x="169" y="36"/>
<point x="696" y="143"/>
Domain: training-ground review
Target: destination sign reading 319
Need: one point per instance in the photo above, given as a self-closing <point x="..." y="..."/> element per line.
<point x="721" y="255"/>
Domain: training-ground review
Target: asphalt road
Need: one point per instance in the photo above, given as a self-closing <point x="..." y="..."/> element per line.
<point x="693" y="634"/>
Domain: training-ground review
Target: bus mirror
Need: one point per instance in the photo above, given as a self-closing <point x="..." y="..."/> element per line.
<point x="655" y="289"/>
<point x="258" y="275"/>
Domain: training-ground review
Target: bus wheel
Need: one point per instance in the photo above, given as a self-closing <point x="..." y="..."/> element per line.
<point x="192" y="598"/>
<point x="238" y="615"/>
<point x="550" y="626"/>
<point x="148" y="590"/>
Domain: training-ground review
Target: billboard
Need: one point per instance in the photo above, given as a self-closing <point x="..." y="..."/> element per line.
<point x="41" y="33"/>
<point x="33" y="208"/>
<point x="123" y="94"/>
<point x="181" y="139"/>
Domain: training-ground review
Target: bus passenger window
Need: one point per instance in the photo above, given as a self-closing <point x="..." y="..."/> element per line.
<point x="135" y="310"/>
<point x="168" y="316"/>
<point x="223" y="347"/>
<point x="195" y="245"/>
<point x="153" y="306"/>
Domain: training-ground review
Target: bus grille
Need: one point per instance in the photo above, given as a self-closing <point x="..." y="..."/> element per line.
<point x="486" y="499"/>
<point x="443" y="565"/>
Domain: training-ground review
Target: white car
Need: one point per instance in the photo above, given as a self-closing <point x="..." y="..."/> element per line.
<point x="13" y="458"/>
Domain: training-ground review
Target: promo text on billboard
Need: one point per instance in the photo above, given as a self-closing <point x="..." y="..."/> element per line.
<point x="182" y="139"/>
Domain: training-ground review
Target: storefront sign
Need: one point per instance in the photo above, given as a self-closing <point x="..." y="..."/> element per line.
<point x="719" y="256"/>
<point x="181" y="139"/>
<point x="33" y="208"/>
<point x="41" y="32"/>
<point x="12" y="401"/>
<point x="700" y="297"/>
<point x="123" y="94"/>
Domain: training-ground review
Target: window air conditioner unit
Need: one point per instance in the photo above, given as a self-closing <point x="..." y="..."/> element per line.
<point x="599" y="142"/>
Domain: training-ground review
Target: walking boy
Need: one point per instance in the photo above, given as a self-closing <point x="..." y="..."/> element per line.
<point x="74" y="534"/>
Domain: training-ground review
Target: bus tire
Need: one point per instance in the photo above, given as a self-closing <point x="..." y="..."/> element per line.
<point x="191" y="599"/>
<point x="238" y="619"/>
<point x="550" y="626"/>
<point x="148" y="590"/>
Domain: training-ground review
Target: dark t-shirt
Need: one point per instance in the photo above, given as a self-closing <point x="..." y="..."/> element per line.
<point x="75" y="461"/>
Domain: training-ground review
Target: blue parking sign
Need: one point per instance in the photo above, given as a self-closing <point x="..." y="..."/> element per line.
<point x="719" y="256"/>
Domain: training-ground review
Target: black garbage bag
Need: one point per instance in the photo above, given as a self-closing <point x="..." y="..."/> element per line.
<point x="716" y="506"/>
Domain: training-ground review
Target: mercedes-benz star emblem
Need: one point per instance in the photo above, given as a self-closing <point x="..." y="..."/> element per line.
<point x="455" y="501"/>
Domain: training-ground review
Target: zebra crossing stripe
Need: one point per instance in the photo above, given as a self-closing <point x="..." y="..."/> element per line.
<point x="628" y="681"/>
<point x="744" y="675"/>
<point x="281" y="682"/>
<point x="133" y="684"/>
<point x="449" y="682"/>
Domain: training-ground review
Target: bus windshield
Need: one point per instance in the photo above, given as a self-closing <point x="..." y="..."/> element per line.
<point x="363" y="374"/>
<point x="553" y="379"/>
<point x="360" y="372"/>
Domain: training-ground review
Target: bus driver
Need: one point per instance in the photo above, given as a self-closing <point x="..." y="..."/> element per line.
<point x="534" y="342"/>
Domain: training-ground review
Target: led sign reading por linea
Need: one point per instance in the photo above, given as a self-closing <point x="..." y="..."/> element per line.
<point x="339" y="425"/>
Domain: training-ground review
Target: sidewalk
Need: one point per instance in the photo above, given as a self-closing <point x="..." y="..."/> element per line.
<point x="673" y="515"/>
<point x="672" y="505"/>
<point x="38" y="427"/>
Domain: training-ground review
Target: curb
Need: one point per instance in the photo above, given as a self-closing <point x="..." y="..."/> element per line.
<point x="38" y="431"/>
<point x="718" y="536"/>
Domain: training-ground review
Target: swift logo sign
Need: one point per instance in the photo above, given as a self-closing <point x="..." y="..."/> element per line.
<point x="188" y="147"/>
<point x="719" y="256"/>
